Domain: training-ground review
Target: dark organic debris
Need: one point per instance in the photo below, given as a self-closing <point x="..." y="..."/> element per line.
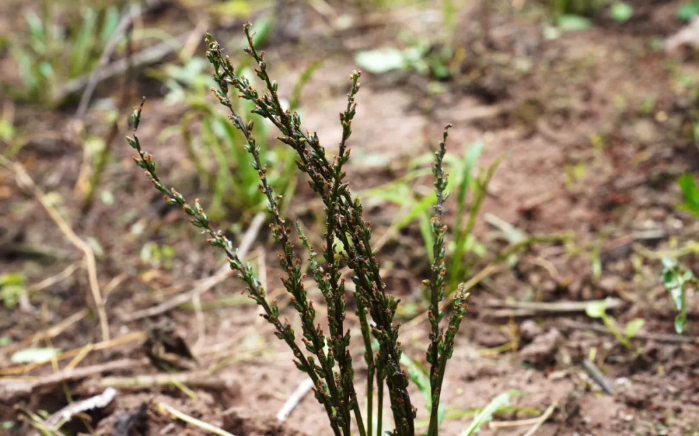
<point x="165" y="348"/>
<point x="131" y="423"/>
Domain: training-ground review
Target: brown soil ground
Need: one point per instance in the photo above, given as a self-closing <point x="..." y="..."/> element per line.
<point x="584" y="153"/>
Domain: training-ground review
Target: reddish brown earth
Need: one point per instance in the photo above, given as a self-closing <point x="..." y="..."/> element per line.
<point x="545" y="121"/>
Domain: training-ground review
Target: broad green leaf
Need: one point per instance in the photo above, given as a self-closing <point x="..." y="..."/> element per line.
<point x="675" y="278"/>
<point x="232" y="8"/>
<point x="34" y="355"/>
<point x="381" y="60"/>
<point x="7" y="130"/>
<point x="486" y="414"/>
<point x="621" y="12"/>
<point x="596" y="309"/>
<point x="12" y="279"/>
<point x="634" y="326"/>
<point x="10" y="295"/>
<point x="690" y="192"/>
<point x="12" y="287"/>
<point x="573" y="23"/>
<point x="688" y="10"/>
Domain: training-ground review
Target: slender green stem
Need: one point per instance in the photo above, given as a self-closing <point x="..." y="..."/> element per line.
<point x="368" y="358"/>
<point x="379" y="409"/>
<point x="458" y="311"/>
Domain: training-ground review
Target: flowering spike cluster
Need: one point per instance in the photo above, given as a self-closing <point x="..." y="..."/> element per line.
<point x="312" y="337"/>
<point x="438" y="270"/>
<point x="327" y="360"/>
<point x="344" y="222"/>
<point x="441" y="345"/>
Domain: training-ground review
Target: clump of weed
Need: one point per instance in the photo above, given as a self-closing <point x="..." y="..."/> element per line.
<point x="326" y="359"/>
<point x="51" y="54"/>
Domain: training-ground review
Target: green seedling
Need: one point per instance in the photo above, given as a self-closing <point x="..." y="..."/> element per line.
<point x="420" y="376"/>
<point x="433" y="57"/>
<point x="12" y="287"/>
<point x="677" y="279"/>
<point x="478" y="188"/>
<point x="470" y="193"/>
<point x="486" y="415"/>
<point x="157" y="256"/>
<point x="419" y="57"/>
<point x="215" y="147"/>
<point x="52" y="53"/>
<point x="598" y="310"/>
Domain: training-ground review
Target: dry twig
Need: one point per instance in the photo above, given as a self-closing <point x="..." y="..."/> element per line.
<point x="50" y="281"/>
<point x="533" y="308"/>
<point x="542" y="419"/>
<point x="13" y="389"/>
<point x="203" y="285"/>
<point x="658" y="337"/>
<point x="294" y="399"/>
<point x="24" y="180"/>
<point x="189" y="420"/>
<point x="23" y="369"/>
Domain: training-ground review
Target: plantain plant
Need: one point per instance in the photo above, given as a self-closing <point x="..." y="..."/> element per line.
<point x="325" y="357"/>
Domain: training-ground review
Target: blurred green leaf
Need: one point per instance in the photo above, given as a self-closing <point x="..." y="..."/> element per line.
<point x="419" y="377"/>
<point x="84" y="42"/>
<point x="111" y="21"/>
<point x="621" y="12"/>
<point x="690" y="192"/>
<point x="34" y="355"/>
<point x="573" y="23"/>
<point x="418" y="374"/>
<point x="301" y="83"/>
<point x="232" y="8"/>
<point x="12" y="287"/>
<point x="596" y="309"/>
<point x="7" y="130"/>
<point x="675" y="279"/>
<point x="36" y="31"/>
<point x="381" y="60"/>
<point x="688" y="10"/>
<point x="633" y="327"/>
<point x="486" y="415"/>
<point x="418" y="208"/>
